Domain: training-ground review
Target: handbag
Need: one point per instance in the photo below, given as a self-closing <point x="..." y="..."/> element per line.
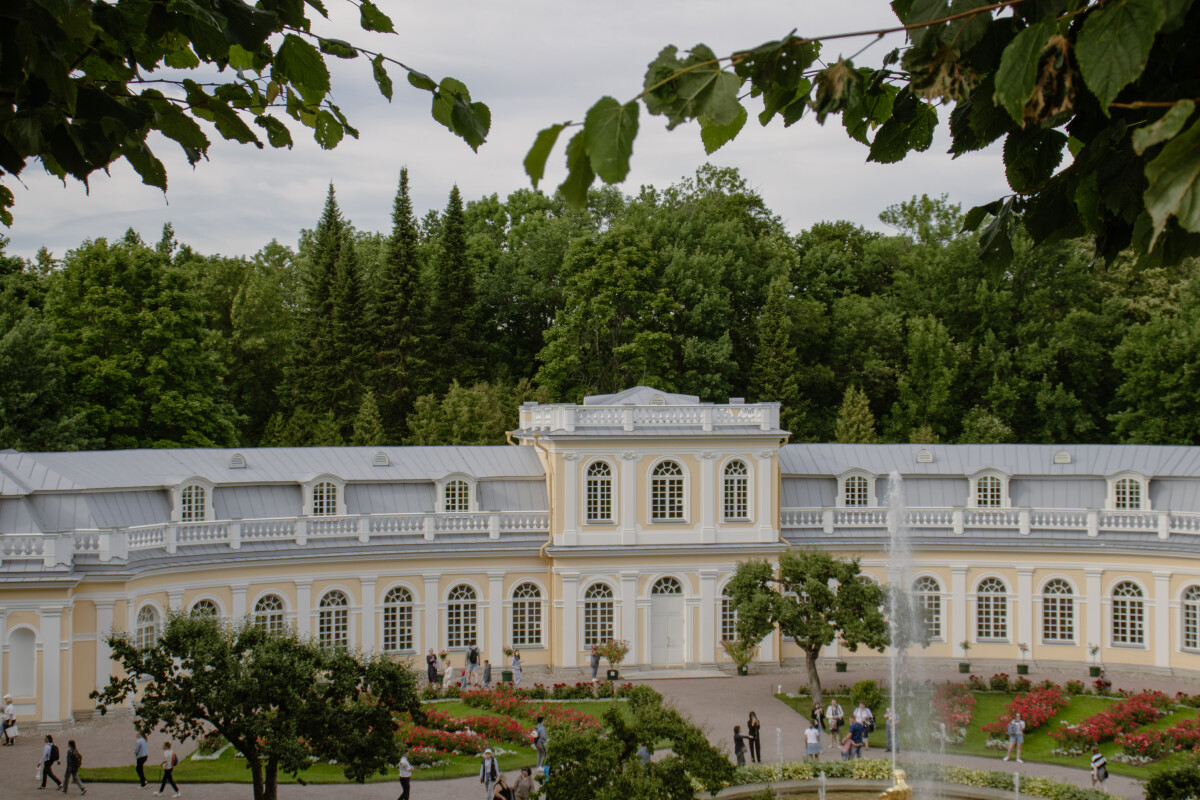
<point x="37" y="772"/>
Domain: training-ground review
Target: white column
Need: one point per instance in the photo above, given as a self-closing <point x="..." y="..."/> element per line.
<point x="1095" y="599"/>
<point x="628" y="601"/>
<point x="495" y="629"/>
<point x="958" y="607"/>
<point x="432" y="633"/>
<point x="304" y="608"/>
<point x="710" y="497"/>
<point x="642" y="644"/>
<point x="1025" y="608"/>
<point x="175" y="600"/>
<point x="50" y="630"/>
<point x="104" y="626"/>
<point x="707" y="646"/>
<point x="570" y="639"/>
<point x="767" y="482"/>
<point x="3" y="638"/>
<point x="630" y="502"/>
<point x="370" y="620"/>
<point x="570" y="499"/>
<point x="1162" y="619"/>
<point x="237" y="611"/>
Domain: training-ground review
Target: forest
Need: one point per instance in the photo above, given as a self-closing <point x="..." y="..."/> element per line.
<point x="435" y="331"/>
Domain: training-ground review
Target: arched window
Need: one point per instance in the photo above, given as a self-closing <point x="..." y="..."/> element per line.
<point x="988" y="492"/>
<point x="728" y="617"/>
<point x="268" y="613"/>
<point x="205" y="608"/>
<point x="457" y="496"/>
<point x="191" y="503"/>
<point x="1058" y="611"/>
<point x="1191" y="618"/>
<point x="148" y="627"/>
<point x="1128" y="614"/>
<point x="857" y="491"/>
<point x="928" y="594"/>
<point x="736" y="491"/>
<point x="527" y="615"/>
<point x="333" y="620"/>
<point x="599" y="492"/>
<point x="666" y="492"/>
<point x="666" y="585"/>
<point x="991" y="609"/>
<point x="22" y="663"/>
<point x="597" y="614"/>
<point x="1127" y="494"/>
<point x="461" y="616"/>
<point x="324" y="499"/>
<point x="398" y="620"/>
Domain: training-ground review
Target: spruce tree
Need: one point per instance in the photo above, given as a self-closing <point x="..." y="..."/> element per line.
<point x="855" y="422"/>
<point x="453" y="340"/>
<point x="368" y="426"/>
<point x="327" y="432"/>
<point x="351" y="339"/>
<point x="774" y="375"/>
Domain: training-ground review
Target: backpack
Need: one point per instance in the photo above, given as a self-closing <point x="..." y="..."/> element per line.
<point x="473" y="655"/>
<point x="174" y="760"/>
<point x="53" y="753"/>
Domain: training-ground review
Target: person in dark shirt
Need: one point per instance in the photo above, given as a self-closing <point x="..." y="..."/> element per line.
<point x="856" y="736"/>
<point x="739" y="745"/>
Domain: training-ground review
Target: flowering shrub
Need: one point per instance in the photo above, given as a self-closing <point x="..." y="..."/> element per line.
<point x="998" y="682"/>
<point x="1186" y="734"/>
<point x="572" y="691"/>
<point x="455" y="742"/>
<point x="500" y="729"/>
<point x="1036" y="707"/>
<point x="1022" y="684"/>
<point x="605" y="690"/>
<point x="210" y="743"/>
<point x="976" y="684"/>
<point x="1149" y="745"/>
<point x="561" y="717"/>
<point x="1185" y="699"/>
<point x="426" y="757"/>
<point x="512" y="703"/>
<point x="1075" y="687"/>
<point x="1124" y="717"/>
<point x="953" y="705"/>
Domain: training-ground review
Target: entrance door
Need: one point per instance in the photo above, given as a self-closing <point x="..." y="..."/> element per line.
<point x="666" y="623"/>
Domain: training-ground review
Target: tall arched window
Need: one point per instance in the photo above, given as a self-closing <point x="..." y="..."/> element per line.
<point x="857" y="492"/>
<point x="988" y="492"/>
<point x="728" y="617"/>
<point x="148" y="627"/>
<point x="599" y="492"/>
<point x="1127" y="494"/>
<point x="205" y="608"/>
<point x="527" y="615"/>
<point x="324" y="499"/>
<point x="991" y="609"/>
<point x="457" y="496"/>
<point x="597" y="614"/>
<point x="1058" y="611"/>
<point x="268" y="613"/>
<point x="928" y="593"/>
<point x="398" y="620"/>
<point x="1191" y="618"/>
<point x="461" y="616"/>
<point x="1128" y="614"/>
<point x="666" y="492"/>
<point x="22" y="663"/>
<point x="333" y="620"/>
<point x="736" y="491"/>
<point x="191" y="503"/>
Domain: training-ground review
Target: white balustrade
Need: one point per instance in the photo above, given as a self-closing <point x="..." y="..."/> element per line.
<point x="704" y="417"/>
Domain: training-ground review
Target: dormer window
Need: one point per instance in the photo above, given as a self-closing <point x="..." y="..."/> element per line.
<point x="325" y="496"/>
<point x="456" y="494"/>
<point x="989" y="489"/>
<point x="192" y="501"/>
<point x="856" y="489"/>
<point x="1128" y="491"/>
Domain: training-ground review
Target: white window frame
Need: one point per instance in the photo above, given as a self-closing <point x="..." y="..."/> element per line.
<point x="1056" y="599"/>
<point x="207" y="511"/>
<point x="262" y="619"/>
<point x="348" y="640"/>
<point x="397" y="610"/>
<point x="685" y="476"/>
<point x="1143" y="484"/>
<point x="843" y="478"/>
<point x="727" y="616"/>
<point x="748" y="478"/>
<point x="603" y="617"/>
<point x="208" y="598"/>
<point x="472" y="493"/>
<point x="159" y="620"/>
<point x="310" y="485"/>
<point x="999" y="620"/>
<point x="1189" y="614"/>
<point x="534" y="609"/>
<point x="977" y="478"/>
<point x="464" y="637"/>
<point x="1136" y="634"/>
<point x="611" y="480"/>
<point x="932" y="600"/>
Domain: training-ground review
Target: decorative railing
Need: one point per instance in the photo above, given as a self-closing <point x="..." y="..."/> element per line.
<point x="1020" y="521"/>
<point x="55" y="549"/>
<point x="701" y="417"/>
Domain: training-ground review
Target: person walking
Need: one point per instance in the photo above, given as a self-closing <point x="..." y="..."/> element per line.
<point x="8" y="718"/>
<point x="856" y="737"/>
<point x="739" y="746"/>
<point x="404" y="770"/>
<point x="753" y="726"/>
<point x="890" y="719"/>
<point x="812" y="741"/>
<point x="472" y="676"/>
<point x="487" y="674"/>
<point x="516" y="668"/>
<point x="169" y="760"/>
<point x="74" y="762"/>
<point x="539" y="742"/>
<point x="1016" y="737"/>
<point x="502" y="791"/>
<point x="431" y="666"/>
<point x="524" y="785"/>
<point x="595" y="662"/>
<point x="141" y="752"/>
<point x="49" y="759"/>
<point x="1099" y="768"/>
<point x="818" y="714"/>
<point x="835" y="716"/>
<point x="489" y="773"/>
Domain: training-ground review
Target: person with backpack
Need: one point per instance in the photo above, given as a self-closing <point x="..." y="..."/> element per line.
<point x="74" y="762"/>
<point x="539" y="741"/>
<point x="473" y="664"/>
<point x="835" y="715"/>
<point x="1099" y="768"/>
<point x="168" y="766"/>
<point x="49" y="759"/>
<point x="489" y="773"/>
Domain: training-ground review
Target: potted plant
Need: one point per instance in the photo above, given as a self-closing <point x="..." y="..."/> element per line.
<point x="741" y="652"/>
<point x="614" y="652"/>
<point x="964" y="666"/>
<point x="506" y="674"/>
<point x="840" y="665"/>
<point x="1093" y="651"/>
<point x="1023" y="668"/>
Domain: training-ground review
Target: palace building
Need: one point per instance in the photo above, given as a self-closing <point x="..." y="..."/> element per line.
<point x="623" y="517"/>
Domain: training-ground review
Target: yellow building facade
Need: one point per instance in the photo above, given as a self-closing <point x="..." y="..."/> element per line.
<point x="621" y="517"/>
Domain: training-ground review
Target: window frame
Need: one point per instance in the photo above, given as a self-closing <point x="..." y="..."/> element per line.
<point x="931" y="600"/>
<point x="727" y="618"/>
<point x="599" y="613"/>
<point x="746" y="479"/>
<point x="207" y="511"/>
<point x="684" y="494"/>
<point x="140" y="637"/>
<point x="216" y="605"/>
<point x="263" y="619"/>
<point x="1189" y="607"/>
<point x="1117" y="484"/>
<point x="608" y="481"/>
<point x="844" y="478"/>
<point x="397" y="610"/>
<point x="988" y="475"/>
<point x="466" y="630"/>
<point x="309" y="489"/>
<point x="997" y="607"/>
<point x="532" y="607"/>
<point x="1128" y="611"/>
<point x="1053" y="604"/>
<point x="334" y="613"/>
<point x="443" y="485"/>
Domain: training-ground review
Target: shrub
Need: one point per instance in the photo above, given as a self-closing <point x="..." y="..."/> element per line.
<point x="1022" y="684"/>
<point x="1047" y="684"/>
<point x="1185" y="699"/>
<point x="1124" y="717"/>
<point x="1036" y="707"/>
<point x="211" y="743"/>
<point x="1147" y="745"/>
<point x="998" y="682"/>
<point x="624" y="689"/>
<point x="953" y="705"/>
<point x="976" y="684"/>
<point x="867" y="692"/>
<point x="605" y="690"/>
<point x="1186" y="734"/>
<point x="1075" y="687"/>
<point x="572" y="691"/>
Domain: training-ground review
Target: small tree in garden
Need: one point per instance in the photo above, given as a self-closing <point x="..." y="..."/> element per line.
<point x="280" y="700"/>
<point x="741" y="651"/>
<point x="613" y="651"/>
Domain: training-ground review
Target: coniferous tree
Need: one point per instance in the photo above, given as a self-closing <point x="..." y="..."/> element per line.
<point x="327" y="432"/>
<point x="368" y="426"/>
<point x="351" y="339"/>
<point x="774" y="376"/>
<point x="453" y="341"/>
<point x="855" y="422"/>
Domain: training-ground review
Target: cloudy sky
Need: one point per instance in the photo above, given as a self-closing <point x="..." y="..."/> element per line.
<point x="534" y="62"/>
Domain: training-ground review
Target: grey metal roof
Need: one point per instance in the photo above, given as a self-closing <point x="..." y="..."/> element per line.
<point x="966" y="459"/>
<point x="641" y="396"/>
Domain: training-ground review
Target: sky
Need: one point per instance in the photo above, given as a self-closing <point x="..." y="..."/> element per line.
<point x="534" y="63"/>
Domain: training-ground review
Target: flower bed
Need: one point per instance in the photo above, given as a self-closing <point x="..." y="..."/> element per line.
<point x="1036" y="707"/>
<point x="1143" y="747"/>
<point x="1186" y="734"/>
<point x="419" y="736"/>
<point x="503" y="700"/>
<point x="953" y="707"/>
<point x="499" y="729"/>
<point x="1125" y="716"/>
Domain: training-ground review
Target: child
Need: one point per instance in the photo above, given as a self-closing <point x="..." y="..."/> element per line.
<point x="1099" y="768"/>
<point x="487" y="674"/>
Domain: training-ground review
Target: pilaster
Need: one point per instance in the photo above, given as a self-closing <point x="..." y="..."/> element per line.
<point x="764" y="478"/>
<point x="431" y="610"/>
<point x="570" y="606"/>
<point x="238" y="611"/>
<point x="710" y="497"/>
<point x="1095" y="600"/>
<point x="104" y="626"/>
<point x="1162" y="619"/>
<point x="629" y="580"/>
<point x="370" y="619"/>
<point x="630" y="501"/>
<point x="958" y="606"/>
<point x="707" y="646"/>
<point x="492" y="649"/>
<point x="570" y="498"/>
<point x="1025" y="609"/>
<point x="304" y="608"/>
<point x="50" y="630"/>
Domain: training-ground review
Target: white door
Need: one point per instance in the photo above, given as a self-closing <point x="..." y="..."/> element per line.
<point x="666" y="623"/>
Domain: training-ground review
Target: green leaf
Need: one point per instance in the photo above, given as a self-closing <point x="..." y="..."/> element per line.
<point x="453" y="108"/>
<point x="910" y="127"/>
<point x="978" y="214"/>
<point x="704" y="90"/>
<point x="327" y="130"/>
<point x="995" y="242"/>
<point x="151" y="170"/>
<point x="1165" y="127"/>
<point x="339" y="48"/>
<point x="1174" y="183"/>
<point x="1030" y="157"/>
<point x="963" y="34"/>
<point x="609" y="130"/>
<point x="177" y="125"/>
<point x="301" y="65"/>
<point x="6" y="203"/>
<point x="717" y="136"/>
<point x="1017" y="73"/>
<point x="579" y="173"/>
<point x="1114" y="43"/>
<point x="535" y="161"/>
<point x="183" y="58"/>
<point x="421" y="81"/>
<point x="239" y="57"/>
<point x="372" y="19"/>
<point x="381" y="77"/>
<point x="1176" y="11"/>
<point x="277" y="133"/>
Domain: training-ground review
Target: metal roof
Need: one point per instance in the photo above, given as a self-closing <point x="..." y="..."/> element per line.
<point x="641" y="396"/>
